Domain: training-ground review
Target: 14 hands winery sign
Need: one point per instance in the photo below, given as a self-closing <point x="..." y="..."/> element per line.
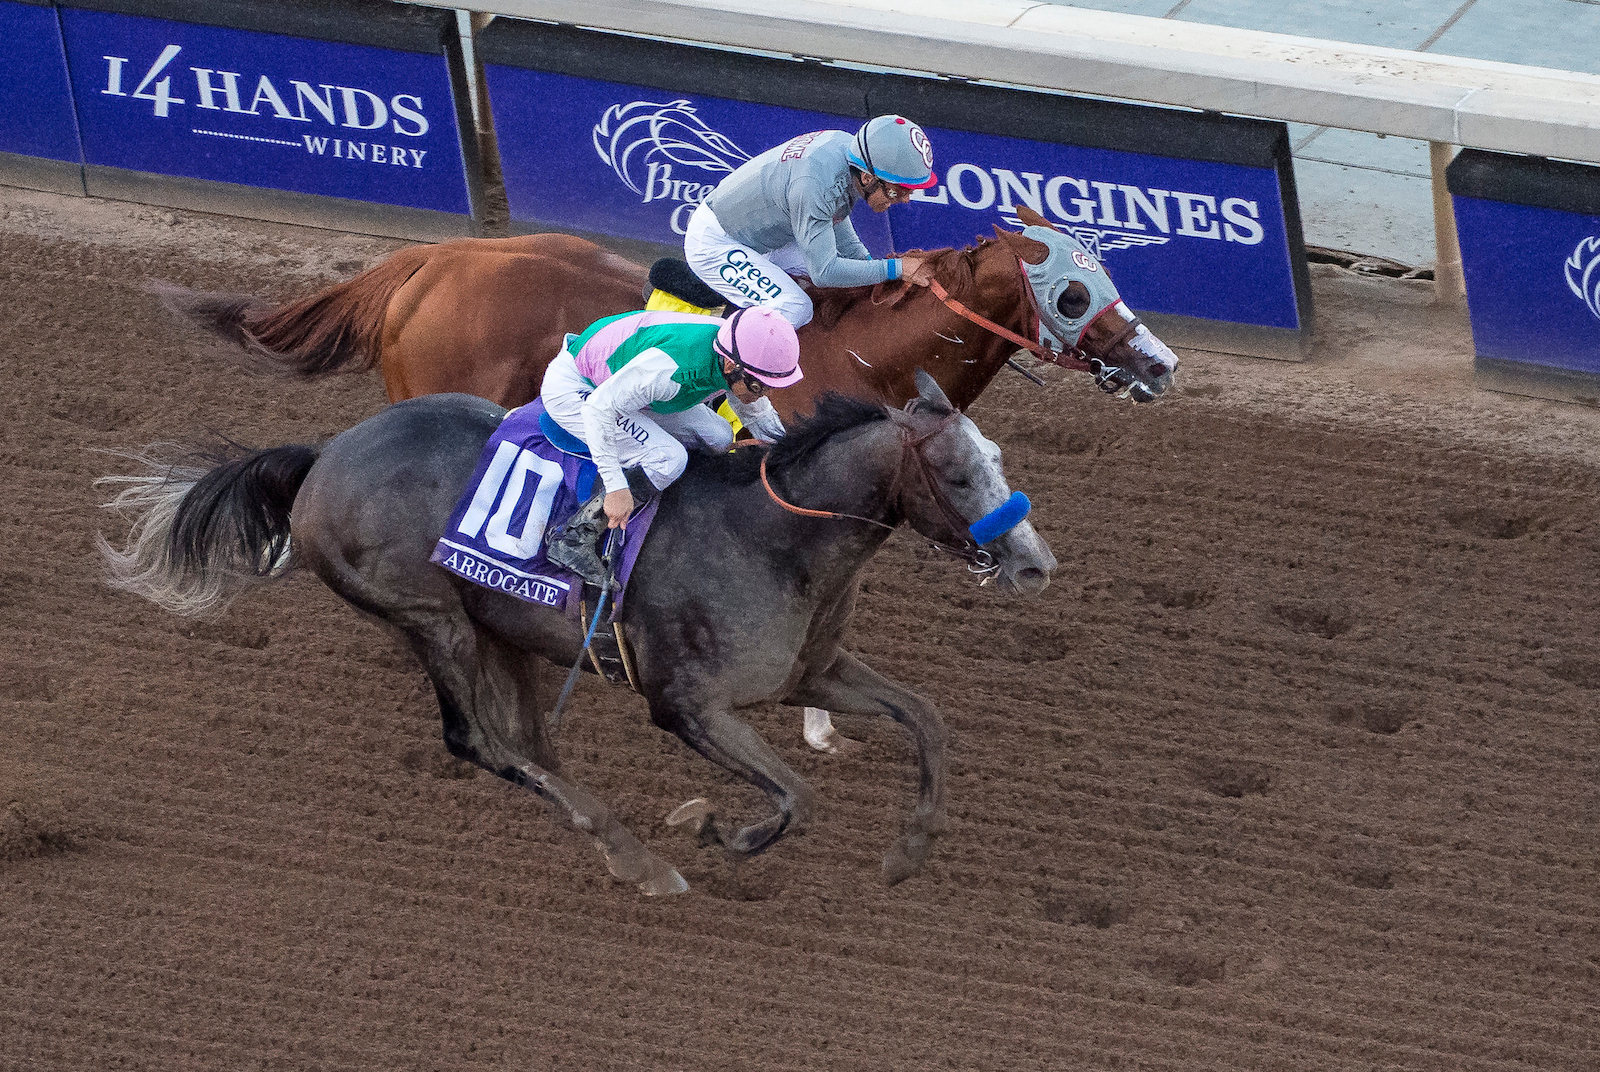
<point x="262" y="109"/>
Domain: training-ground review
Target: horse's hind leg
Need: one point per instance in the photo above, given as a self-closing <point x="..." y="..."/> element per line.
<point x="852" y="687"/>
<point x="488" y="698"/>
<point x="821" y="734"/>
<point x="730" y="742"/>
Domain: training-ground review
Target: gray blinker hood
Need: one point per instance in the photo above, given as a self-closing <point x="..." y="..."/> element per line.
<point x="1069" y="260"/>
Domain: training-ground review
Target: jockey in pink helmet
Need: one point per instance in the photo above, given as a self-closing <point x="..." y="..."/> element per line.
<point x="631" y="387"/>
<point x="787" y="213"/>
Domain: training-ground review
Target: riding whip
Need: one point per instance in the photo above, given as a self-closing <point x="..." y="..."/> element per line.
<point x="608" y="556"/>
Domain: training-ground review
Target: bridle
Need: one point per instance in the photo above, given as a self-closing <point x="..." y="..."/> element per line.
<point x="911" y="450"/>
<point x="1109" y="378"/>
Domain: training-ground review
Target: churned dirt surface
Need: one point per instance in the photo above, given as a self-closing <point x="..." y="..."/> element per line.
<point x="1295" y="766"/>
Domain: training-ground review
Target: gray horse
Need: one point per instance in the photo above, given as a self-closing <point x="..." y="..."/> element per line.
<point x="741" y="594"/>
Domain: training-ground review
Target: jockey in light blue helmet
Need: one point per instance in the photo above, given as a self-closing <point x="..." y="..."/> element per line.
<point x="894" y="150"/>
<point x="786" y="213"/>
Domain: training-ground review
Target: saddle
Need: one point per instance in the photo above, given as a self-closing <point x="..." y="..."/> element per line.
<point x="674" y="286"/>
<point x="533" y="484"/>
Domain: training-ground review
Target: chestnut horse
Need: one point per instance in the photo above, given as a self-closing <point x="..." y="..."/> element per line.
<point x="484" y="316"/>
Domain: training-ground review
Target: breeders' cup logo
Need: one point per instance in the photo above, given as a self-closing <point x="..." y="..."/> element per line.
<point x="644" y="140"/>
<point x="1583" y="273"/>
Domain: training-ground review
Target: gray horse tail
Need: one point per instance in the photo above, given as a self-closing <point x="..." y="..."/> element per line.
<point x="200" y="536"/>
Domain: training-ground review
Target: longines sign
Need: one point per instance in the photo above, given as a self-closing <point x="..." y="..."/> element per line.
<point x="1530" y="249"/>
<point x="624" y="137"/>
<point x="224" y="104"/>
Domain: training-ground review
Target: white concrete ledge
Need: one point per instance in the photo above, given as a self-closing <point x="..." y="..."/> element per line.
<point x="1486" y="105"/>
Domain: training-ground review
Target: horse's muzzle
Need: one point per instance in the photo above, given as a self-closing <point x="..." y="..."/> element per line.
<point x="1126" y="383"/>
<point x="1024" y="560"/>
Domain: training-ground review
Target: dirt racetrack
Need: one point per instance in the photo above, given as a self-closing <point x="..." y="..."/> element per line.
<point x="1295" y="766"/>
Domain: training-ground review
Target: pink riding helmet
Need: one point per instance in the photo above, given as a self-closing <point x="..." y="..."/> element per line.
<point x="761" y="342"/>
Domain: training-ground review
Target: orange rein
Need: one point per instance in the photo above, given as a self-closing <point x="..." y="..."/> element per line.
<point x="1055" y="357"/>
<point x="793" y="509"/>
<point x="910" y="446"/>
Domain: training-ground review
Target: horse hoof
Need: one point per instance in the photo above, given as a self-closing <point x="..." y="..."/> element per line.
<point x="906" y="857"/>
<point x="821" y="735"/>
<point x="664" y="882"/>
<point x="694" y="813"/>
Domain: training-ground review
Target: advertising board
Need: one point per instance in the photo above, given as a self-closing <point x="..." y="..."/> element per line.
<point x="348" y="112"/>
<point x="1530" y="251"/>
<point x="38" y="132"/>
<point x="1194" y="215"/>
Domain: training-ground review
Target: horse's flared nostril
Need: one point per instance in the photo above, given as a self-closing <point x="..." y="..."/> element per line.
<point x="1031" y="579"/>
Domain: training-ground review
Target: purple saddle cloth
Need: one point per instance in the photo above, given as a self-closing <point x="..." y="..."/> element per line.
<point x="523" y="488"/>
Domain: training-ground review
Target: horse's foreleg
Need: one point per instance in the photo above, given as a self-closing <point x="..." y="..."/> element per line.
<point x="732" y="743"/>
<point x="488" y="699"/>
<point x="850" y="686"/>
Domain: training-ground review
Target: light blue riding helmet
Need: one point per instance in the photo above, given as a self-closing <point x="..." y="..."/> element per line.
<point x="894" y="149"/>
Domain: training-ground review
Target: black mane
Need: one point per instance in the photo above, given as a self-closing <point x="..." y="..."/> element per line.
<point x="834" y="413"/>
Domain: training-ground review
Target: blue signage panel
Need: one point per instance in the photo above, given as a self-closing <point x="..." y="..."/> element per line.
<point x="1194" y="214"/>
<point x="1533" y="282"/>
<point x="267" y="110"/>
<point x="632" y="161"/>
<point x="35" y="100"/>
<point x="1184" y="237"/>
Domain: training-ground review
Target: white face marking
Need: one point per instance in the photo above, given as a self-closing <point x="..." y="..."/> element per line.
<point x="988" y="483"/>
<point x="1145" y="341"/>
<point x="1153" y="348"/>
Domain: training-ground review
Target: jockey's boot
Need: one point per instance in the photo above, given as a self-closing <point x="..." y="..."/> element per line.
<point x="640" y="486"/>
<point x="575" y="545"/>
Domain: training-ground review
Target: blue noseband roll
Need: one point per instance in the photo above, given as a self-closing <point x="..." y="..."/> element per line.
<point x="1001" y="520"/>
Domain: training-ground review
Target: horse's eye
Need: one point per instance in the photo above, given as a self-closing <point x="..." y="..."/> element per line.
<point x="1074" y="301"/>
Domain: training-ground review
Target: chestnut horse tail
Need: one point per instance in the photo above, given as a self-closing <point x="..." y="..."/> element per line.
<point x="335" y="329"/>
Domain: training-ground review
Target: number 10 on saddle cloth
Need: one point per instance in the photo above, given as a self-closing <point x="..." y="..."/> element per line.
<point x="524" y="487"/>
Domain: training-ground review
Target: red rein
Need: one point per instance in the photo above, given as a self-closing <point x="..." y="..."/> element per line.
<point x="1068" y="360"/>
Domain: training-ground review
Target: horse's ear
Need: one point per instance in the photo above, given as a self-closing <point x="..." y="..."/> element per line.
<point x="1031" y="218"/>
<point x="1029" y="249"/>
<point x="928" y="389"/>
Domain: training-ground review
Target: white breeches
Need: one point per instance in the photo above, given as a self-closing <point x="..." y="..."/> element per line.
<point x="742" y="275"/>
<point x="655" y="442"/>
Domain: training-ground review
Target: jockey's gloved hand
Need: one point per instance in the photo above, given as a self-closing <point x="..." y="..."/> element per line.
<point x="759" y="417"/>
